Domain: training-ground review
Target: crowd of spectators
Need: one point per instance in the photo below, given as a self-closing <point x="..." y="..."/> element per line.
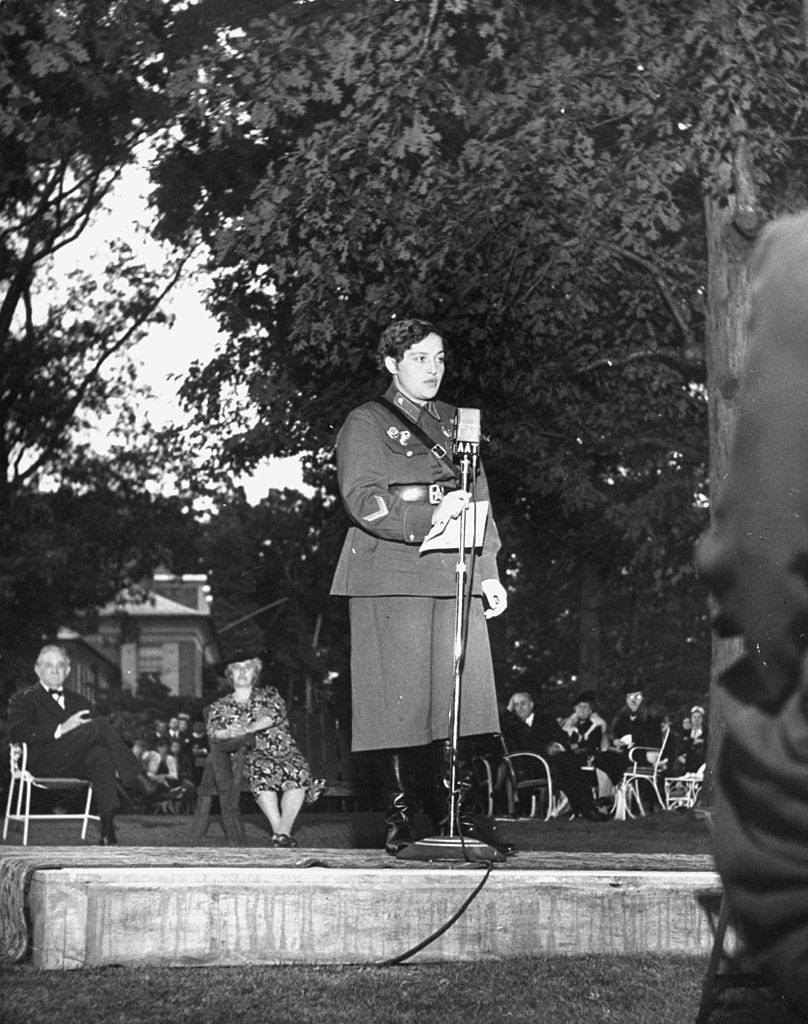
<point x="172" y="752"/>
<point x="587" y="755"/>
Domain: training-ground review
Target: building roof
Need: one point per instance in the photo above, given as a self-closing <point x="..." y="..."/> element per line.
<point x="153" y="605"/>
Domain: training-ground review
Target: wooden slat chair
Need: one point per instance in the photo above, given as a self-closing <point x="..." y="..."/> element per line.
<point x="728" y="967"/>
<point x="224" y="779"/>
<point x="23" y="782"/>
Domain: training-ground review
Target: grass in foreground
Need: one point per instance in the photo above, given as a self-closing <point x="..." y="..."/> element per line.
<point x="524" y="990"/>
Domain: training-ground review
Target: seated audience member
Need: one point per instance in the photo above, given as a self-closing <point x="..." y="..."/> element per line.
<point x="157" y="765"/>
<point x="180" y="766"/>
<point x="585" y="727"/>
<point x="184" y="730"/>
<point x="693" y="742"/>
<point x="199" y="748"/>
<point x="280" y="778"/>
<point x="633" y="726"/>
<point x="524" y="728"/>
<point x="160" y="733"/>
<point x="588" y="733"/>
<point x="140" y="752"/>
<point x="64" y="739"/>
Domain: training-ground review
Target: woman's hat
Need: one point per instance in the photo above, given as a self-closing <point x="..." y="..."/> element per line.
<point x="695" y="708"/>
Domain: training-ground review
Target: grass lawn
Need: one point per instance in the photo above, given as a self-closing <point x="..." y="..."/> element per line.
<point x="663" y="832"/>
<point x="558" y="990"/>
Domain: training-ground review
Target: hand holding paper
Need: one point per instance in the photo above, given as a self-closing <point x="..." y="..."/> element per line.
<point x="445" y="536"/>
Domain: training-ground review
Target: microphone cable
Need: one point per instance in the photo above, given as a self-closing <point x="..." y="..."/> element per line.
<point x="396" y="960"/>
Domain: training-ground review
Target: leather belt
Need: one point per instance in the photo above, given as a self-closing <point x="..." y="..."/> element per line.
<point x="432" y="493"/>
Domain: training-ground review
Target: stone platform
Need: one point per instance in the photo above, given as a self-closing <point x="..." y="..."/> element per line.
<point x="172" y="907"/>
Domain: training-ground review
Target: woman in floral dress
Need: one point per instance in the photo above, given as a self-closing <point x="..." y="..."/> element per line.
<point x="274" y="764"/>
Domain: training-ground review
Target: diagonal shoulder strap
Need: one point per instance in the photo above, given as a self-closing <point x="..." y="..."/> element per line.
<point x="437" y="450"/>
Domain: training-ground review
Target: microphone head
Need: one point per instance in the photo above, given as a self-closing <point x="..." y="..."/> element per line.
<point x="466" y="435"/>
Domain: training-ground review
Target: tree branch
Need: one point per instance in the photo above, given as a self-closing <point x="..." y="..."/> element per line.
<point x="662" y="287"/>
<point x="62" y="422"/>
<point x="667" y="355"/>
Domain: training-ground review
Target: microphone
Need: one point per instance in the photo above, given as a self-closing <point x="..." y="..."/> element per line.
<point x="466" y="433"/>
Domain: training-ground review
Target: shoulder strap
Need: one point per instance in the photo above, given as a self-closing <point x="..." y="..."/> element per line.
<point x="437" y="450"/>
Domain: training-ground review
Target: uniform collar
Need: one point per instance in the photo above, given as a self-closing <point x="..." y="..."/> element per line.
<point x="410" y="409"/>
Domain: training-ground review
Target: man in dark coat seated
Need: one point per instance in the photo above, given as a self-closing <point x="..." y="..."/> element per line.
<point x="524" y="728"/>
<point x="64" y="740"/>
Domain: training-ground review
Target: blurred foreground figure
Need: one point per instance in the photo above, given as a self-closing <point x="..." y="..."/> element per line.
<point x="755" y="560"/>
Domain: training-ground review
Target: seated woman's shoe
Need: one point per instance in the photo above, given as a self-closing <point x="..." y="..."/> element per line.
<point x="281" y="839"/>
<point x="108" y="837"/>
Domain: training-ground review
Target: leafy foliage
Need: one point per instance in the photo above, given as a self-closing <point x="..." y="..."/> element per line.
<point x="270" y="568"/>
<point x="80" y="88"/>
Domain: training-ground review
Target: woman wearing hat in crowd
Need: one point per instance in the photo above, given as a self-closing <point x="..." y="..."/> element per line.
<point x="633" y="726"/>
<point x="274" y="764"/>
<point x="585" y="727"/>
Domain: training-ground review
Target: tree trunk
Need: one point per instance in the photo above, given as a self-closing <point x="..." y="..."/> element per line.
<point x="590" y="626"/>
<point x="731" y="222"/>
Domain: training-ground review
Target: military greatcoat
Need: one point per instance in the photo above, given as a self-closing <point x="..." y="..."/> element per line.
<point x="401" y="601"/>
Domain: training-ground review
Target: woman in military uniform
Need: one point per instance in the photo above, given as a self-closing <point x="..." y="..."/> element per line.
<point x="396" y="485"/>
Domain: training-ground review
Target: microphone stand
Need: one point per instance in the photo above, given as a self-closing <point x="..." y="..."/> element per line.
<point x="454" y="846"/>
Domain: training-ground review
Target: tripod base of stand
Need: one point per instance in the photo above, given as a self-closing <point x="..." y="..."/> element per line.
<point x="450" y="848"/>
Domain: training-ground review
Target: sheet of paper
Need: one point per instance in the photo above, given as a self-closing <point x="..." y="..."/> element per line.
<point x="447" y="536"/>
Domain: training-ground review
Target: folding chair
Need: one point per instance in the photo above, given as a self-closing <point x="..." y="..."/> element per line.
<point x="682" y="791"/>
<point x="647" y="765"/>
<point x="21" y="784"/>
<point x="530" y="773"/>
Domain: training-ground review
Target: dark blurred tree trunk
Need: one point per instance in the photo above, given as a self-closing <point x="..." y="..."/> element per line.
<point x="732" y="221"/>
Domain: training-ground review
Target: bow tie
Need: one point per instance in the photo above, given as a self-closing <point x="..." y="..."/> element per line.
<point x="56" y="693"/>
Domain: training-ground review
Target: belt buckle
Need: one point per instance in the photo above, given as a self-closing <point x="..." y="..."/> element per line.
<point x="435" y="494"/>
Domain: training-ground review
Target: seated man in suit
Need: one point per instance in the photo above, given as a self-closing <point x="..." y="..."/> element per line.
<point x="65" y="740"/>
<point x="526" y="728"/>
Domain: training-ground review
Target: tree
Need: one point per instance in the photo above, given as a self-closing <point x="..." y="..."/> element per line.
<point x="270" y="567"/>
<point x="542" y="182"/>
<point x="80" y="89"/>
<point x="318" y="156"/>
<point x="80" y="86"/>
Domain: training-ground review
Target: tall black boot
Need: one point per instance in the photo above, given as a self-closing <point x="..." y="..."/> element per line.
<point x="470" y="822"/>
<point x="394" y="773"/>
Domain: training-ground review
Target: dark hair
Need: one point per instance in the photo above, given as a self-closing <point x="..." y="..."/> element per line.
<point x="401" y="335"/>
<point x="587" y="697"/>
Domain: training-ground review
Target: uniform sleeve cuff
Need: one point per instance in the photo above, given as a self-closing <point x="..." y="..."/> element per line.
<point x="488" y="567"/>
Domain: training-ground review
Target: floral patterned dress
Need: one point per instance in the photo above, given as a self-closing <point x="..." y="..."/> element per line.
<point x="274" y="763"/>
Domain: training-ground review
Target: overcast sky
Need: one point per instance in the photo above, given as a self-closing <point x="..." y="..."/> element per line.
<point x="165" y="354"/>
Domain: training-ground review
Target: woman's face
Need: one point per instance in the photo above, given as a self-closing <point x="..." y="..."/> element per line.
<point x="242" y="673"/>
<point x="420" y="370"/>
<point x="696" y="718"/>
